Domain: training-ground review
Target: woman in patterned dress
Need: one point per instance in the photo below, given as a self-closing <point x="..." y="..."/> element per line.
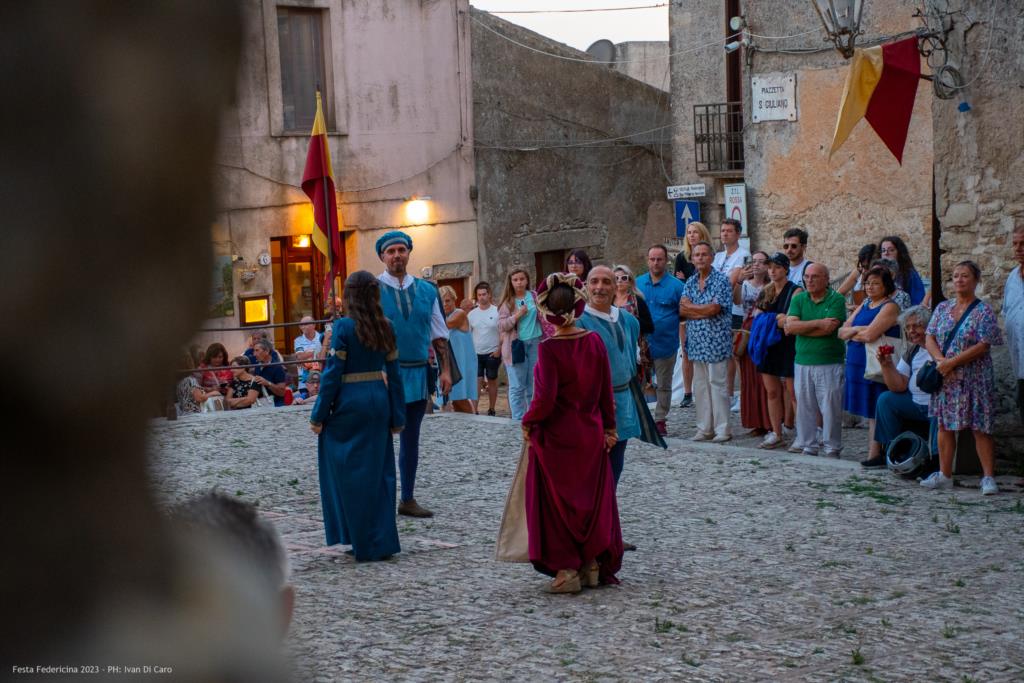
<point x="968" y="394"/>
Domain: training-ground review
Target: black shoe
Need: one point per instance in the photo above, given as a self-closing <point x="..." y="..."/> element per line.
<point x="874" y="463"/>
<point x="687" y="401"/>
<point x="627" y="547"/>
<point x="491" y="412"/>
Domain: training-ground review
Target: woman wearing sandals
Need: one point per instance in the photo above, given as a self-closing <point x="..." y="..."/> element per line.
<point x="571" y="513"/>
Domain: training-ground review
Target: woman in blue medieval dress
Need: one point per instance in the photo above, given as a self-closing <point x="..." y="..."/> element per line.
<point x="360" y="405"/>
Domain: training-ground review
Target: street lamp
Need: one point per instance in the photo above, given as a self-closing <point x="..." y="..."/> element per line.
<point x="842" y="22"/>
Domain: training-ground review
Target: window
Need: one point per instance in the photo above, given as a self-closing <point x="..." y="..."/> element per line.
<point x="300" y="36"/>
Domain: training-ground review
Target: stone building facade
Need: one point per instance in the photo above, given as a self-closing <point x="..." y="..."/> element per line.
<point x="568" y="154"/>
<point x="857" y="196"/>
<point x="400" y="128"/>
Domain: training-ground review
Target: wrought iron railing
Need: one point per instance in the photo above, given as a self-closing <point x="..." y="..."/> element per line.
<point x="718" y="137"/>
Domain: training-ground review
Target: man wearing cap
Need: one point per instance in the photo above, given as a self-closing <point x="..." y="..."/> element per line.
<point x="413" y="307"/>
<point x="307" y="347"/>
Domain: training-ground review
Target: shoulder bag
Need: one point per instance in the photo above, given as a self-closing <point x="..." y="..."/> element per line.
<point x="872" y="368"/>
<point x="929" y="380"/>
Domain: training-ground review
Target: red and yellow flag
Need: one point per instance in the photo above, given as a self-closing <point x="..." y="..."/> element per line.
<point x="318" y="184"/>
<point x="880" y="87"/>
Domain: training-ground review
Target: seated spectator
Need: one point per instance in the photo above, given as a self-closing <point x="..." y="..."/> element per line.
<point x="230" y="522"/>
<point x="308" y="393"/>
<point x="216" y="373"/>
<point x="307" y="348"/>
<point x="903" y="407"/>
<point x="190" y="395"/>
<point x="257" y="335"/>
<point x="242" y="391"/>
<point x="269" y="373"/>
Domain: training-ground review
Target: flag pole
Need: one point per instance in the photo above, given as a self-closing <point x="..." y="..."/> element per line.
<point x="330" y="234"/>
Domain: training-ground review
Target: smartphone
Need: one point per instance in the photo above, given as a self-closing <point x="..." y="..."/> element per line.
<point x="746" y="260"/>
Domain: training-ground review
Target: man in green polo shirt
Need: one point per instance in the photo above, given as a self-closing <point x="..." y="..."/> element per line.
<point x="814" y="318"/>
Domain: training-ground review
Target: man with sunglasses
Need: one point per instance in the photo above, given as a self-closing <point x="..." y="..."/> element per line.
<point x="794" y="243"/>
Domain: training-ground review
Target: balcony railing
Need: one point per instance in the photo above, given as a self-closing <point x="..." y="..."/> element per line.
<point x="718" y="138"/>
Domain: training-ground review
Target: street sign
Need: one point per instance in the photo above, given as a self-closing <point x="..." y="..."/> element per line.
<point x="774" y="98"/>
<point x="686" y="191"/>
<point x="686" y="212"/>
<point x="736" y="203"/>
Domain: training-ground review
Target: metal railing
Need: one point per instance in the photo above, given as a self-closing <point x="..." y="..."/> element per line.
<point x="718" y="138"/>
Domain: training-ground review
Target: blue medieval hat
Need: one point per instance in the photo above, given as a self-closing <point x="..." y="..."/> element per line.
<point x="393" y="237"/>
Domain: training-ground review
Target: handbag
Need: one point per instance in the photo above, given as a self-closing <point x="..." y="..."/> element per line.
<point x="872" y="368"/>
<point x="453" y="364"/>
<point x="263" y="400"/>
<point x="513" y="537"/>
<point x="740" y="338"/>
<point x="929" y="379"/>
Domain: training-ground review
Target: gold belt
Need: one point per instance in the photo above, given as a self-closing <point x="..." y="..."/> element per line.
<point x="348" y="378"/>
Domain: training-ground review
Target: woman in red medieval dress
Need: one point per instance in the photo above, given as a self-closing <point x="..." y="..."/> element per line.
<point x="571" y="513"/>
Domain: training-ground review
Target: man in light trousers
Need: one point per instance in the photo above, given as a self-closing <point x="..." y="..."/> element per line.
<point x="814" y="318"/>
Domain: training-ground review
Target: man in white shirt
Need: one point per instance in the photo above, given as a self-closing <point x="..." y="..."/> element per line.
<point x="794" y="244"/>
<point x="1013" y="314"/>
<point x="307" y="347"/>
<point x="729" y="262"/>
<point x="483" y="323"/>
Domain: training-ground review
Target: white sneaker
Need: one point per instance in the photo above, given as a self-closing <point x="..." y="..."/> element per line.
<point x="701" y="436"/>
<point x="989" y="486"/>
<point x="938" y="481"/>
<point x="735" y="405"/>
<point x="770" y="440"/>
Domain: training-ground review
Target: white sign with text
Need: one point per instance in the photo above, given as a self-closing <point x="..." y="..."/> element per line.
<point x="774" y="98"/>
<point x="686" y="191"/>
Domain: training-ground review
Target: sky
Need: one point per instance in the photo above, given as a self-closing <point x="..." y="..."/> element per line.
<point x="581" y="29"/>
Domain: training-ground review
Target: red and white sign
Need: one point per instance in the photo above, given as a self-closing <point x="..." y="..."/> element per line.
<point x="736" y="203"/>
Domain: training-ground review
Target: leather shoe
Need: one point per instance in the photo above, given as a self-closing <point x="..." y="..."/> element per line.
<point x="410" y="508"/>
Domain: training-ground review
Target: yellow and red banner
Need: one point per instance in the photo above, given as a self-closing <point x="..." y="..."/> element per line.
<point x="880" y="87"/>
<point x="318" y="184"/>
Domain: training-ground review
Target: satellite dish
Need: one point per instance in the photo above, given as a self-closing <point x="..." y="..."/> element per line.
<point x="603" y="51"/>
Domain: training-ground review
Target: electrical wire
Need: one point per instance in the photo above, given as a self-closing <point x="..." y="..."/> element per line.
<point x="988" y="48"/>
<point x="567" y="11"/>
<point x="697" y="48"/>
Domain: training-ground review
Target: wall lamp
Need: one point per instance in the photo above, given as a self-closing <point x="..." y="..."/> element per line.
<point x="841" y="19"/>
<point x="417" y="210"/>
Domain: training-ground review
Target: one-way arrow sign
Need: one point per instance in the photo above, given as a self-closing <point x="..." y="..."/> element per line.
<point x="686" y="212"/>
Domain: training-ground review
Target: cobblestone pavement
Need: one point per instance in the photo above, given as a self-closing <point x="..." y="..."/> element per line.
<point x="751" y="565"/>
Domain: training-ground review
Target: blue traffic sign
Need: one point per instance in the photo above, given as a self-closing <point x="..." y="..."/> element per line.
<point x="687" y="212"/>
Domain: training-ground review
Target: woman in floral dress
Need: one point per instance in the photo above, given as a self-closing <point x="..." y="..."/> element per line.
<point x="968" y="394"/>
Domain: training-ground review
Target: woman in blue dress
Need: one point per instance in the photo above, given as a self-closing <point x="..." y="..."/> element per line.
<point x="464" y="394"/>
<point x="876" y="316"/>
<point x="360" y="405"/>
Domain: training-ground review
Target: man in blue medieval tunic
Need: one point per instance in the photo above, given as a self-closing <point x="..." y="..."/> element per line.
<point x="620" y="333"/>
<point x="413" y="307"/>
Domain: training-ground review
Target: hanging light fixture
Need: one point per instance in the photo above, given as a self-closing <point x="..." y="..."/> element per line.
<point x="842" y="22"/>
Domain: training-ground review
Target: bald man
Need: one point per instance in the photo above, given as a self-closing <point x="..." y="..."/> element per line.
<point x="814" y="319"/>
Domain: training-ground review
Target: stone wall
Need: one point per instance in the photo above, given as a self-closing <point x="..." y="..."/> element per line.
<point x="862" y="193"/>
<point x="543" y="185"/>
<point x="979" y="159"/>
<point x="644" y="60"/>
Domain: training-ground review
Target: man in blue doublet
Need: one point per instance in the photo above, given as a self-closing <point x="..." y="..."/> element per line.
<point x="413" y="307"/>
<point x="620" y="333"/>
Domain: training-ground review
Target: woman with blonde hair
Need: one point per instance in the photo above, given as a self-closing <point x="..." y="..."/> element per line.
<point x="520" y="330"/>
<point x="629" y="298"/>
<point x="465" y="392"/>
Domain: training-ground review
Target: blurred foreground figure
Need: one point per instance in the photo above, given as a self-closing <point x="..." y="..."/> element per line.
<point x="109" y="126"/>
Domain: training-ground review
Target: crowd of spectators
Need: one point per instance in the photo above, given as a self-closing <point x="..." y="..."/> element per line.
<point x="807" y="352"/>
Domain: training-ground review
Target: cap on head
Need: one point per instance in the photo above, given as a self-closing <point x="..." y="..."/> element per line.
<point x="780" y="259"/>
<point x="391" y="238"/>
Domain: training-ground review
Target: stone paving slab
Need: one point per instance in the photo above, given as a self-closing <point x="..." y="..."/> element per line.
<point x="752" y="565"/>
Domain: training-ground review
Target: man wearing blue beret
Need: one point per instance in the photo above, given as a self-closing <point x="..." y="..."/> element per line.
<point x="413" y="307"/>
